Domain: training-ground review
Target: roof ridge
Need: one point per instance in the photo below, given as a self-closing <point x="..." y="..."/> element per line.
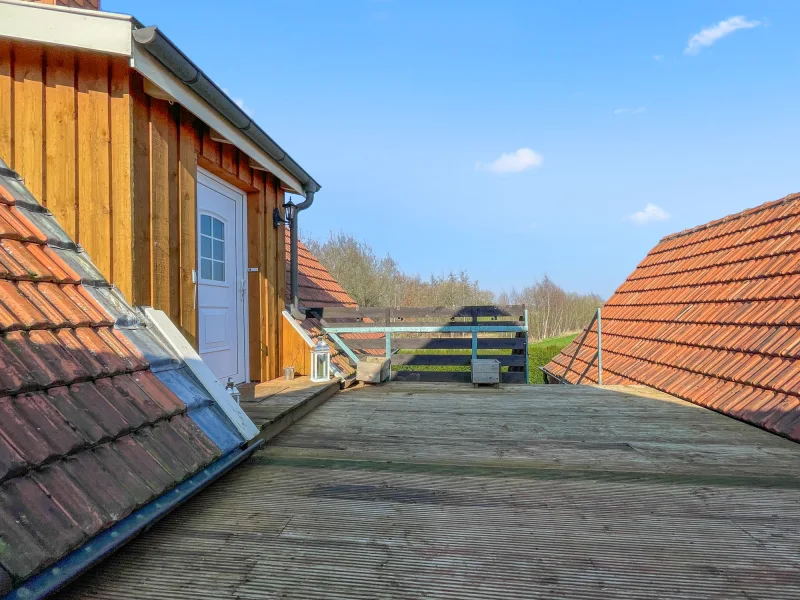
<point x="745" y="213"/>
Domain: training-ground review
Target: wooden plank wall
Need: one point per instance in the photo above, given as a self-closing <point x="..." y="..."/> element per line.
<point x="118" y="170"/>
<point x="65" y="127"/>
<point x="296" y="352"/>
<point x="168" y="146"/>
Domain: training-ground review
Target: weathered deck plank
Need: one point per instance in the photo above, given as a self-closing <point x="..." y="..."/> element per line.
<point x="443" y="491"/>
<point x="266" y="403"/>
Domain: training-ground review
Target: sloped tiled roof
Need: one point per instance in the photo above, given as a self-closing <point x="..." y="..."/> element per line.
<point x="316" y="287"/>
<point x="711" y="315"/>
<point x="88" y="432"/>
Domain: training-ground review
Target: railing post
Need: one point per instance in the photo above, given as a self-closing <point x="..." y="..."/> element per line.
<point x="474" y="333"/>
<point x="388" y="334"/>
<point x="599" y="349"/>
<point x="527" y="352"/>
<point x="580" y="344"/>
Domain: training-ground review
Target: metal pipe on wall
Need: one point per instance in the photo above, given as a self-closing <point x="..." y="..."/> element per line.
<point x="296" y="208"/>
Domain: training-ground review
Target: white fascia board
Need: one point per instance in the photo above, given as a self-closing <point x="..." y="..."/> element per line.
<point x="200" y="369"/>
<point x="153" y="70"/>
<point x="90" y="30"/>
<point x="298" y="328"/>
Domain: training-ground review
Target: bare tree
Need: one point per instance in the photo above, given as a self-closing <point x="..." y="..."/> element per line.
<point x="370" y="280"/>
<point x="553" y="311"/>
<point x="373" y="281"/>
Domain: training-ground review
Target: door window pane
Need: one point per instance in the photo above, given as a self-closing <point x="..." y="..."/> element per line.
<point x="212" y="248"/>
<point x="205" y="268"/>
<point x="205" y="246"/>
<point x="219" y="271"/>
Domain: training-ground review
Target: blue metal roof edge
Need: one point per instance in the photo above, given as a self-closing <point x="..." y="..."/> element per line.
<point x="102" y="545"/>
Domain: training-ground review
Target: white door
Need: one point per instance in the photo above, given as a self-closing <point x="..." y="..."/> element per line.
<point x="222" y="278"/>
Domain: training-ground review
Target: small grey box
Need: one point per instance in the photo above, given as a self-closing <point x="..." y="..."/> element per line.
<point x="374" y="369"/>
<point x="485" y="370"/>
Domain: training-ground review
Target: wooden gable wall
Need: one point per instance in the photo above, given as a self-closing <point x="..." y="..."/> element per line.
<point x="65" y="127"/>
<point x="118" y="169"/>
<point x="168" y="146"/>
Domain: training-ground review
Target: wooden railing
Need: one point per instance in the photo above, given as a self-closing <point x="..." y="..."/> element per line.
<point x="433" y="343"/>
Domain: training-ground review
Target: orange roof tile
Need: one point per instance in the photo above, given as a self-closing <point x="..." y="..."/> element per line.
<point x="711" y="315"/>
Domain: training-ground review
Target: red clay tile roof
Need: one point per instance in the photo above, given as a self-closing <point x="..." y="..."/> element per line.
<point x="316" y="287"/>
<point x="88" y="434"/>
<point x="711" y="315"/>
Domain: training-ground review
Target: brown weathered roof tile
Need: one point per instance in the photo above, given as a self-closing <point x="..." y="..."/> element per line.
<point x="154" y="474"/>
<point x="56" y="483"/>
<point x="11" y="463"/>
<point x="101" y="487"/>
<point x="28" y="551"/>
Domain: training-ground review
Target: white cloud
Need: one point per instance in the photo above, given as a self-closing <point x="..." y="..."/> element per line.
<point x="709" y="35"/>
<point x="633" y="111"/>
<point x="658" y="57"/>
<point x="650" y="213"/>
<point x="513" y="162"/>
<point x="239" y="102"/>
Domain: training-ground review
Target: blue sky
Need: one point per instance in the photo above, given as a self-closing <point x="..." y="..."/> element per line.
<point x="400" y="109"/>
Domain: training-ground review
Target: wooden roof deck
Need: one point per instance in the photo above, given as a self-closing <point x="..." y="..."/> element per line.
<point x="442" y="491"/>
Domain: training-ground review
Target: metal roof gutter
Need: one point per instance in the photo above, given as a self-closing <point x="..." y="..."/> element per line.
<point x="169" y="55"/>
<point x="102" y="545"/>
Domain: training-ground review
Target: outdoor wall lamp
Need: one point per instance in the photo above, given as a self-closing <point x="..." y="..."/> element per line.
<point x="277" y="220"/>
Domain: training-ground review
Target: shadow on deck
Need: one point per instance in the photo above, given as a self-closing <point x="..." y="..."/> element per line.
<point x="443" y="491"/>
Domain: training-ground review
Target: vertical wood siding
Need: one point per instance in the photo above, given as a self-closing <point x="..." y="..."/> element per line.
<point x="296" y="352"/>
<point x="118" y="169"/>
<point x="169" y="144"/>
<point x="65" y="127"/>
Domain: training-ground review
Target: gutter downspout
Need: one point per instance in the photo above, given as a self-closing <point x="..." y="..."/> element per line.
<point x="296" y="208"/>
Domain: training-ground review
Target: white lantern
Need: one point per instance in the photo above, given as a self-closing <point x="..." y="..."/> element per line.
<point x="321" y="362"/>
<point x="233" y="390"/>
